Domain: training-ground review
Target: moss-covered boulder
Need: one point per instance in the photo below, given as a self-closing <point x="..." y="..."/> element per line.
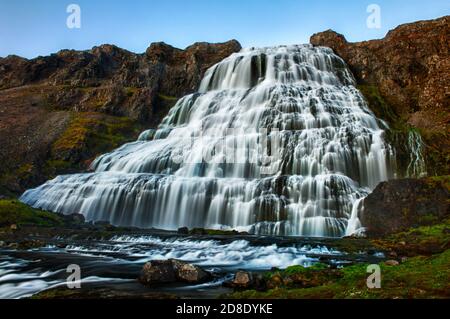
<point x="398" y="205"/>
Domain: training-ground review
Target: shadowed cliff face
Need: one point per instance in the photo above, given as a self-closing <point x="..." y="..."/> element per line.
<point x="410" y="70"/>
<point x="60" y="111"/>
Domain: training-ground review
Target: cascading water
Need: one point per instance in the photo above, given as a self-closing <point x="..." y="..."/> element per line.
<point x="304" y="148"/>
<point x="417" y="166"/>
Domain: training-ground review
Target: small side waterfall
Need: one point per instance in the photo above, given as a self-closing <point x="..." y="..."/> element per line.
<point x="416" y="167"/>
<point x="277" y="141"/>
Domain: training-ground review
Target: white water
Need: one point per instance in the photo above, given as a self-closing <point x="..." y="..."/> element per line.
<point x="119" y="260"/>
<point x="416" y="167"/>
<point x="331" y="153"/>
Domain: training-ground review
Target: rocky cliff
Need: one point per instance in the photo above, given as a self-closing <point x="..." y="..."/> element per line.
<point x="405" y="78"/>
<point x="60" y="111"/>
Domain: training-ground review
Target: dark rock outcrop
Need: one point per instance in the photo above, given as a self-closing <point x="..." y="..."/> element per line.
<point x="410" y="68"/>
<point x="114" y="80"/>
<point x="399" y="205"/>
<point x="169" y="271"/>
<point x="57" y="113"/>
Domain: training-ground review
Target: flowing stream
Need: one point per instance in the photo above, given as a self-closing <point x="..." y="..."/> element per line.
<point x="115" y="264"/>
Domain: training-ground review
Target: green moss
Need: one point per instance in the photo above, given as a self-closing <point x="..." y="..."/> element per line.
<point x="440" y="180"/>
<point x="167" y="98"/>
<point x="89" y="135"/>
<point x="377" y="103"/>
<point x="130" y="91"/>
<point x="425" y="240"/>
<point x="422" y="234"/>
<point x="75" y="135"/>
<point x="14" y="212"/>
<point x="300" y="269"/>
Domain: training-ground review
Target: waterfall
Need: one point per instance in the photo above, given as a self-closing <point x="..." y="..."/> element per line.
<point x="276" y="141"/>
<point x="416" y="167"/>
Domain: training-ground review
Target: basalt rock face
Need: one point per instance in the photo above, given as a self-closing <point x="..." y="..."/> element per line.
<point x="116" y="81"/>
<point x="59" y="112"/>
<point x="399" y="205"/>
<point x="410" y="68"/>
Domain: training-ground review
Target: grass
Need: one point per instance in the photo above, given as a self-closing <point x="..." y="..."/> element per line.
<point x="418" y="277"/>
<point x="425" y="274"/>
<point x="13" y="212"/>
<point x="424" y="240"/>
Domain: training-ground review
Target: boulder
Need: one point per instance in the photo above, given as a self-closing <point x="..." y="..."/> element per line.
<point x="399" y="205"/>
<point x="241" y="280"/>
<point x="170" y="271"/>
<point x="392" y="263"/>
<point x="183" y="231"/>
<point x="189" y="273"/>
<point x="157" y="272"/>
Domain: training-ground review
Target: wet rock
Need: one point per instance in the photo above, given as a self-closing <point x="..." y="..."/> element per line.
<point x="276" y="281"/>
<point x="198" y="231"/>
<point x="183" y="231"/>
<point x="13" y="245"/>
<point x="170" y="271"/>
<point x="157" y="272"/>
<point x="392" y="263"/>
<point x="392" y="254"/>
<point x="30" y="244"/>
<point x="241" y="280"/>
<point x="189" y="273"/>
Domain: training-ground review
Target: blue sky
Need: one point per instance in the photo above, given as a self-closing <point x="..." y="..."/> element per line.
<point x="38" y="27"/>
